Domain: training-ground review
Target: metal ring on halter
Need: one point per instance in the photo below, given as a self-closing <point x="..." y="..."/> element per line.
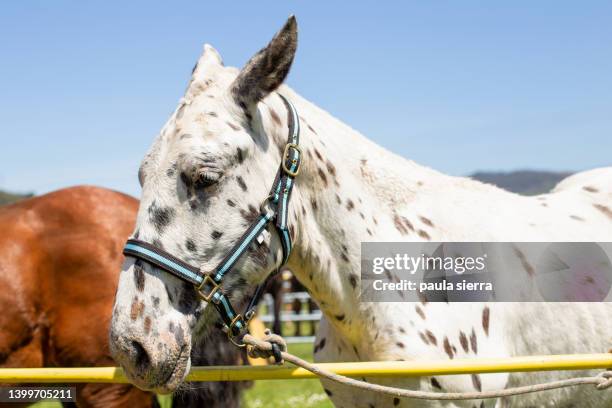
<point x="230" y="336"/>
<point x="264" y="202"/>
<point x="231" y="339"/>
<point x="249" y="315"/>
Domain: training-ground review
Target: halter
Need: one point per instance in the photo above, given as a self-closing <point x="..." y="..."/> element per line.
<point x="208" y="284"/>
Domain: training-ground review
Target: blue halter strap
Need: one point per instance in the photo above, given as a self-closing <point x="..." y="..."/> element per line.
<point x="273" y="209"/>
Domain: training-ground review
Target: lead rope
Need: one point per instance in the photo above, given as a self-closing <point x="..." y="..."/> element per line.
<point x="274" y="346"/>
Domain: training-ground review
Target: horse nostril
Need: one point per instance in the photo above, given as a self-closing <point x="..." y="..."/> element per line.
<point x="141" y="357"/>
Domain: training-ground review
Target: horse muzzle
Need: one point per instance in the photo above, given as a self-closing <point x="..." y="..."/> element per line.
<point x="153" y="363"/>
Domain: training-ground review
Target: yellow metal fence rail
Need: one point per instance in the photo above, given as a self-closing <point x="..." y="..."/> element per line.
<point x="371" y="369"/>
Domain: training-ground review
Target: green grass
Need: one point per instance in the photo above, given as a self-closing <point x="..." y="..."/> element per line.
<point x="46" y="404"/>
<point x="267" y="393"/>
<point x="283" y="393"/>
<point x="165" y="401"/>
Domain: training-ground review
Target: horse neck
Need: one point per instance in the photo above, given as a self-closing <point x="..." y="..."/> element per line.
<point x="344" y="195"/>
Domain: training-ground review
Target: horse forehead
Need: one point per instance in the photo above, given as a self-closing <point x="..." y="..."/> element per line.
<point x="195" y="129"/>
<point x="193" y="108"/>
<point x="205" y="107"/>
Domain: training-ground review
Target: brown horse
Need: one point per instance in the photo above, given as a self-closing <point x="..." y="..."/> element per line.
<point x="61" y="254"/>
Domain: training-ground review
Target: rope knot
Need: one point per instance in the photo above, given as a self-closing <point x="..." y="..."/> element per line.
<point x="272" y="345"/>
<point x="605" y="380"/>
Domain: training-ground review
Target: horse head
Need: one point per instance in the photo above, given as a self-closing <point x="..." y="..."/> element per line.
<point x="203" y="183"/>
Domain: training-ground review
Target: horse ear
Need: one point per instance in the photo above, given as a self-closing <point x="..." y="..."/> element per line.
<point x="211" y="55"/>
<point x="267" y="69"/>
<point x="210" y="58"/>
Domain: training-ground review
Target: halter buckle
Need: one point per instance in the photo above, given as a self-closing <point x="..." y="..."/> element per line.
<point x="208" y="281"/>
<point x="296" y="161"/>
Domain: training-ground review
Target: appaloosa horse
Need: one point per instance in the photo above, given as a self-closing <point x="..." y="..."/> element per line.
<point x="215" y="162"/>
<point x="61" y="255"/>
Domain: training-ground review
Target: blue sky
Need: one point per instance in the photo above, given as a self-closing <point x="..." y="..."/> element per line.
<point x="458" y="86"/>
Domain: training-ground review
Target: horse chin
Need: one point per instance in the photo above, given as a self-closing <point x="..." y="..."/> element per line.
<point x="177" y="376"/>
<point x="166" y="382"/>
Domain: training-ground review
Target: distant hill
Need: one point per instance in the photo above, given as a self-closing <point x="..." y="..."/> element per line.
<point x="527" y="182"/>
<point x="7" y="198"/>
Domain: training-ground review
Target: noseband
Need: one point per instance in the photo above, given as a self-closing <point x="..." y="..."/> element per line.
<point x="208" y="283"/>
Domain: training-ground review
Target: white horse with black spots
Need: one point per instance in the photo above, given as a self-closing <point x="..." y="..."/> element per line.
<point x="213" y="164"/>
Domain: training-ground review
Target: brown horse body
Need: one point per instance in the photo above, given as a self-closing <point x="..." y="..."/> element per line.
<point x="60" y="256"/>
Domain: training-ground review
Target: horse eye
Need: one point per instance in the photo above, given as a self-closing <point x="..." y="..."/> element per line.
<point x="206" y="179"/>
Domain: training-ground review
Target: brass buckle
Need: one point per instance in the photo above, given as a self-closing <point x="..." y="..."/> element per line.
<point x="230" y="336"/>
<point x="208" y="280"/>
<point x="287" y="170"/>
